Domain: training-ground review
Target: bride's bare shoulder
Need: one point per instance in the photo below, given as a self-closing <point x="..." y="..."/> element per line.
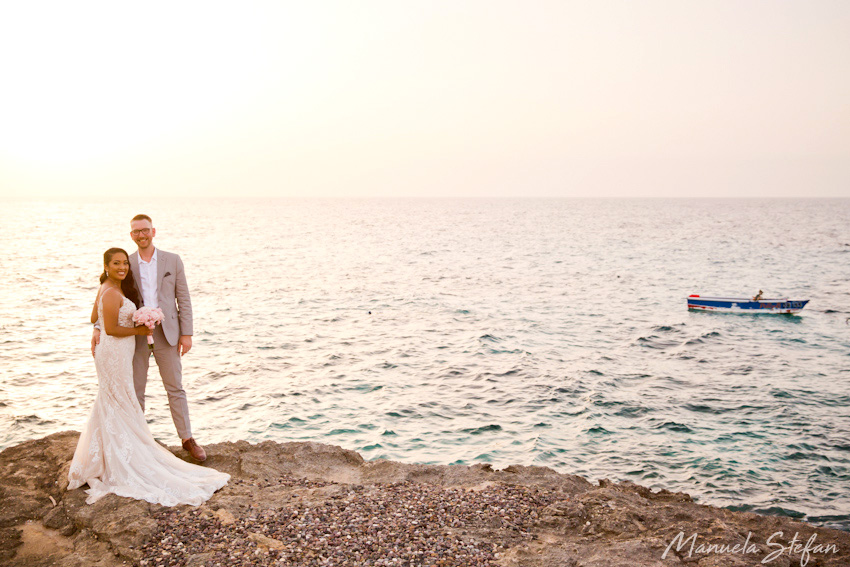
<point x="110" y="295"/>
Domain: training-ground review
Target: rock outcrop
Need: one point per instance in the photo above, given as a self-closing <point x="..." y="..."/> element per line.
<point x="316" y="504"/>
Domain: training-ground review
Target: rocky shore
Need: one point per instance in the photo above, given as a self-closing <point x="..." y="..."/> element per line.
<point x="309" y="504"/>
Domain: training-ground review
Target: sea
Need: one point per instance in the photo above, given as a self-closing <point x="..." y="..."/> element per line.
<point x="504" y="331"/>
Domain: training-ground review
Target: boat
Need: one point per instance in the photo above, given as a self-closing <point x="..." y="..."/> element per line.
<point x="745" y="304"/>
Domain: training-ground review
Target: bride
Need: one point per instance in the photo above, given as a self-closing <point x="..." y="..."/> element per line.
<point x="116" y="451"/>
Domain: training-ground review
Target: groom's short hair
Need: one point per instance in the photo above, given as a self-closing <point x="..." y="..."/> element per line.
<point x="141" y="217"/>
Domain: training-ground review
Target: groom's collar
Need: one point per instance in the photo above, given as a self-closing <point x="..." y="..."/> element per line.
<point x="153" y="258"/>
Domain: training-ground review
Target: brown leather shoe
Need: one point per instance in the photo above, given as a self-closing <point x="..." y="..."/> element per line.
<point x="194" y="449"/>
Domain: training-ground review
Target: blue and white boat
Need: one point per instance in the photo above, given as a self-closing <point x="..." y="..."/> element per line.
<point x="745" y="304"/>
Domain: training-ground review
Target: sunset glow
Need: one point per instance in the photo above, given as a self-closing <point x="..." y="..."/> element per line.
<point x="436" y="99"/>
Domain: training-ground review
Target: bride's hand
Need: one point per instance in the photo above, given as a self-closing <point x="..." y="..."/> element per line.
<point x="144" y="331"/>
<point x="95" y="340"/>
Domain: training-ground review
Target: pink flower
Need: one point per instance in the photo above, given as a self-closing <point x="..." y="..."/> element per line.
<point x="149" y="317"/>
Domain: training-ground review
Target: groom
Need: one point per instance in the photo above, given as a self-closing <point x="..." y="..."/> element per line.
<point x="162" y="283"/>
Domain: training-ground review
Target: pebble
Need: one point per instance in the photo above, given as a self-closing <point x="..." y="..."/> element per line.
<point x="395" y="524"/>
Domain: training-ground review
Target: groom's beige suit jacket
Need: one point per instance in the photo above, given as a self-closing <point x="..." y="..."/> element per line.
<point x="172" y="293"/>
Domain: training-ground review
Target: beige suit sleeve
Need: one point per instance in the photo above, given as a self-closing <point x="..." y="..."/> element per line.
<point x="184" y="302"/>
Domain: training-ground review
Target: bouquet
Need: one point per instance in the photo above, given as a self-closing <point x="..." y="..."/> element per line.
<point x="149" y="317"/>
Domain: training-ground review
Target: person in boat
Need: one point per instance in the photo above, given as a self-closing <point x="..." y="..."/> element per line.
<point x="758" y="296"/>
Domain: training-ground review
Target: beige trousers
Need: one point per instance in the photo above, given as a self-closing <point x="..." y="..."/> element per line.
<point x="170" y="370"/>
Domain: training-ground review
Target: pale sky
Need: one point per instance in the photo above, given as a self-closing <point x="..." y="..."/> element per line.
<point x="423" y="98"/>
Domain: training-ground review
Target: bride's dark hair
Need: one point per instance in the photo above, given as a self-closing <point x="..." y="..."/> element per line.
<point x="128" y="285"/>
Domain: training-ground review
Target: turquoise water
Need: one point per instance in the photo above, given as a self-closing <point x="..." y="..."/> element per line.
<point x="549" y="332"/>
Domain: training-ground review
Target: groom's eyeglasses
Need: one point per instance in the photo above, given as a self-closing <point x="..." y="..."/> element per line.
<point x="144" y="231"/>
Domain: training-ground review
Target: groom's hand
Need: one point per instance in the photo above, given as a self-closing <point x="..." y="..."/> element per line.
<point x="184" y="344"/>
<point x="95" y="339"/>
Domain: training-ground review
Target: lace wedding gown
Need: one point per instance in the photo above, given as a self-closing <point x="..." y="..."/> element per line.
<point x="116" y="451"/>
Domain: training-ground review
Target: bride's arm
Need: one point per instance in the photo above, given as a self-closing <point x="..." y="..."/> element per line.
<point x="94" y="309"/>
<point x="112" y="301"/>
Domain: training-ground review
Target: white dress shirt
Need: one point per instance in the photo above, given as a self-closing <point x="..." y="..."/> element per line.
<point x="147" y="281"/>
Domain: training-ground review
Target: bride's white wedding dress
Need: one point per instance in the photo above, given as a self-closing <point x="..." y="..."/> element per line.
<point x="116" y="451"/>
